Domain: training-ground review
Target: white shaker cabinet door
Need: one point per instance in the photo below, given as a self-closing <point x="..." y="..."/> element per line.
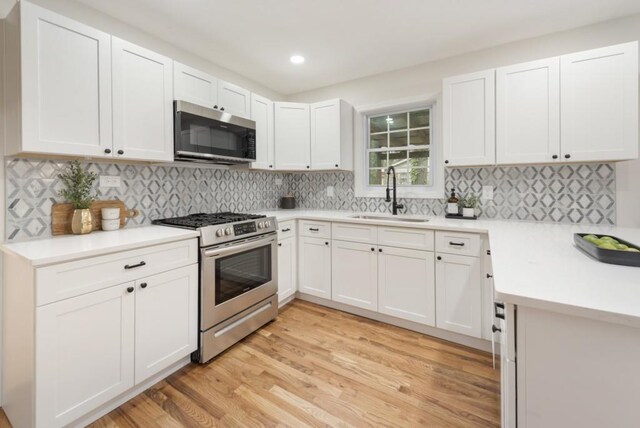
<point x="354" y="274"/>
<point x="325" y="135"/>
<point x="66" y="85"/>
<point x="528" y="112"/>
<point x="234" y="100"/>
<point x="315" y="266"/>
<point x="469" y="119"/>
<point x="262" y="115"/>
<point x="142" y="103"/>
<point x="287" y="268"/>
<point x="166" y="319"/>
<point x="194" y="86"/>
<point x="292" y="136"/>
<point x="599" y="99"/>
<point x="84" y="353"/>
<point x="459" y="294"/>
<point x="406" y="284"/>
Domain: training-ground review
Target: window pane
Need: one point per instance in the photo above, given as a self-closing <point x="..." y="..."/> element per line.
<point x="378" y="124"/>
<point x="418" y="119"/>
<point x="419" y="176"/>
<point x="419" y="137"/>
<point x="418" y="158"/>
<point x="397" y="121"/>
<point x="398" y="139"/>
<point x="378" y="141"/>
<point x="378" y="159"/>
<point x="398" y="159"/>
<point x="376" y="177"/>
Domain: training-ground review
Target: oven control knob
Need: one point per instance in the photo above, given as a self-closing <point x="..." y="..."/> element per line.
<point x="267" y="223"/>
<point x="219" y="233"/>
<point x="227" y="231"/>
<point x="261" y="225"/>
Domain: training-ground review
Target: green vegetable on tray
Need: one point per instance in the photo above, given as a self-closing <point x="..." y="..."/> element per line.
<point x="608" y="243"/>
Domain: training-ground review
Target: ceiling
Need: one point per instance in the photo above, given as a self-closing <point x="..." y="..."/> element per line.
<point x="347" y="39"/>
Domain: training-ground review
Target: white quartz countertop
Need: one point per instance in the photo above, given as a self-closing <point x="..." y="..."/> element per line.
<point x="73" y="247"/>
<point x="537" y="264"/>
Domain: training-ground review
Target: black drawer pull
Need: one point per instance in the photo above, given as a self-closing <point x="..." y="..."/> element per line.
<point x="494" y="329"/>
<point x="457" y="244"/>
<point x="135" y="266"/>
<point x="314" y="229"/>
<point x="326" y="243"/>
<point x="143" y="285"/>
<point x="499" y="305"/>
<point x="489" y="276"/>
<point x="279" y="244"/>
<point x="129" y="289"/>
<point x="286" y="230"/>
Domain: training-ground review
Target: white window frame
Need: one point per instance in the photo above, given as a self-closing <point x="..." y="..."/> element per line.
<point x="361" y="139"/>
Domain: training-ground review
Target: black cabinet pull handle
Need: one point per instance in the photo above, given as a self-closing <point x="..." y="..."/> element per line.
<point x="489" y="276"/>
<point x="554" y="157"/>
<point x="446" y="161"/>
<point x="373" y="249"/>
<point x="494" y="329"/>
<point x="215" y="106"/>
<point x="143" y="285"/>
<point x="307" y="166"/>
<point x="129" y="289"/>
<point x="456" y="244"/>
<point x="135" y="266"/>
<point x="336" y="165"/>
<point x="439" y="258"/>
<point x="107" y="151"/>
<point x="286" y="230"/>
<point x="567" y="156"/>
<point x="120" y="152"/>
<point x="279" y="244"/>
<point x="326" y="243"/>
<point x="221" y="108"/>
<point x="313" y="229"/>
<point x="270" y="166"/>
<point x="379" y="250"/>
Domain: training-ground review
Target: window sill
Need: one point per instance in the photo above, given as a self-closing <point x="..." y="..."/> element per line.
<point x="401" y="193"/>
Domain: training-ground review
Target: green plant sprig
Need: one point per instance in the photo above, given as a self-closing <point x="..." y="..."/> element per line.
<point x="469" y="201"/>
<point x="78" y="186"/>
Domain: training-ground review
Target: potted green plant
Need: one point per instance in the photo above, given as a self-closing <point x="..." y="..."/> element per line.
<point x="469" y="204"/>
<point x="79" y="192"/>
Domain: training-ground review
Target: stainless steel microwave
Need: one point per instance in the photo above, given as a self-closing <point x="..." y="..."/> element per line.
<point x="206" y="135"/>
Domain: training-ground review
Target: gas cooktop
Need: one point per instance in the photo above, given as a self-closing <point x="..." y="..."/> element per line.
<point x="218" y="228"/>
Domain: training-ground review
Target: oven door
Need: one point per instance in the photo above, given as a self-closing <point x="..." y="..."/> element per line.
<point x="237" y="276"/>
<point x="207" y="134"/>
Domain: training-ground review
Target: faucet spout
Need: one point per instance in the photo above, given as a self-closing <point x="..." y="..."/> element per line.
<point x="395" y="206"/>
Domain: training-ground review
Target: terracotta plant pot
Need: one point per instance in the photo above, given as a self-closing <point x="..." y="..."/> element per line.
<point x="82" y="221"/>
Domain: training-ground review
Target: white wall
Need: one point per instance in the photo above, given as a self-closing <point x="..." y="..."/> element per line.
<point x="103" y="22"/>
<point x="427" y="78"/>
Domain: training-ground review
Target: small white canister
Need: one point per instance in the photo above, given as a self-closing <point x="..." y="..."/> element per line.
<point x="110" y="218"/>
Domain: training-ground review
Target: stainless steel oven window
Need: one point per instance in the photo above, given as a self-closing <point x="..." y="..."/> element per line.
<point x="239" y="273"/>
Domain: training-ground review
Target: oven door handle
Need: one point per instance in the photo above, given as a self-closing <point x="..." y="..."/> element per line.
<point x="218" y="252"/>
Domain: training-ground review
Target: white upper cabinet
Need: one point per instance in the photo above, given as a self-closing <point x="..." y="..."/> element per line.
<point x="469" y="119"/>
<point x="599" y="99"/>
<point x="234" y="100"/>
<point x="194" y="86"/>
<point x="331" y="135"/>
<point x="59" y="81"/>
<point x="142" y="103"/>
<point x="528" y="112"/>
<point x="262" y="115"/>
<point x="292" y="136"/>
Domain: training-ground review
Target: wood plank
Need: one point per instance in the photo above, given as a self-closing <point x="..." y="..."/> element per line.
<point x="315" y="366"/>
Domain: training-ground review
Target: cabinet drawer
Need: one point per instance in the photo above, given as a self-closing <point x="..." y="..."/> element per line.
<point x="64" y="280"/>
<point x="354" y="233"/>
<point x="286" y="229"/>
<point x="415" y="239"/>
<point x="316" y="229"/>
<point x="466" y="244"/>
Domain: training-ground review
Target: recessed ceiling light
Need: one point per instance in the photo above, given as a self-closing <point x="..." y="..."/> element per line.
<point x="297" y="59"/>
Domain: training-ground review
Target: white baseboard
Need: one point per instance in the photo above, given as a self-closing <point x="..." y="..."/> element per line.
<point x="472" y="342"/>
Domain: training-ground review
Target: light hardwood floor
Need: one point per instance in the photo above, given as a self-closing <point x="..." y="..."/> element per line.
<point x="315" y="366"/>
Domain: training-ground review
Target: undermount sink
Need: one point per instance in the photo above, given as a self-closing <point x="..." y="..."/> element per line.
<point x="390" y="218"/>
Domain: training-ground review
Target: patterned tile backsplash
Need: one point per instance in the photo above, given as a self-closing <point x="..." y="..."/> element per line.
<point x="566" y="193"/>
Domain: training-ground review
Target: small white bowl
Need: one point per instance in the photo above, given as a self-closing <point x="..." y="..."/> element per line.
<point x="111" y="224"/>
<point x="110" y="213"/>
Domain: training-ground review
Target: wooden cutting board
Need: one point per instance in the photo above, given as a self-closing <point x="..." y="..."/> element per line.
<point x="61" y="215"/>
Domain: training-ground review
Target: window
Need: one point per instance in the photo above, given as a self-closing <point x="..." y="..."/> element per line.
<point x="401" y="140"/>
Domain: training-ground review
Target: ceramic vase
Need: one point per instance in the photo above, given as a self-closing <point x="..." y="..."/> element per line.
<point x="81" y="222"/>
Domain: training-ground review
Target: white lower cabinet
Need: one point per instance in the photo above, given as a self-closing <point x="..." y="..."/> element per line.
<point x="354" y="274"/>
<point x="287" y="268"/>
<point x="406" y="284"/>
<point x="315" y="266"/>
<point x="459" y="294"/>
<point x="166" y="313"/>
<point x="84" y="353"/>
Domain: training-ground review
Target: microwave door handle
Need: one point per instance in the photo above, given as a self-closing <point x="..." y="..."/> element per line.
<point x="218" y="252"/>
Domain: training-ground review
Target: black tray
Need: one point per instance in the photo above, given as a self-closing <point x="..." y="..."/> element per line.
<point x="614" y="257"/>
<point x="460" y="217"/>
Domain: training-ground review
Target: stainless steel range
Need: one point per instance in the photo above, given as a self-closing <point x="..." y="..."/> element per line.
<point x="238" y="276"/>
